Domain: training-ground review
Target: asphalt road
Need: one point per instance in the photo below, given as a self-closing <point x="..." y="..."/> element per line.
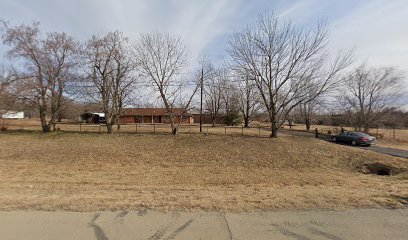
<point x="151" y="225"/>
<point x="389" y="151"/>
<point x="383" y="150"/>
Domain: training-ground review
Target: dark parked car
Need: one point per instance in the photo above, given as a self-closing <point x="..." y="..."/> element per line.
<point x="355" y="138"/>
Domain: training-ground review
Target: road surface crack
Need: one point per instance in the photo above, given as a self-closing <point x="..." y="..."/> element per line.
<point x="228" y="227"/>
<point x="99" y="234"/>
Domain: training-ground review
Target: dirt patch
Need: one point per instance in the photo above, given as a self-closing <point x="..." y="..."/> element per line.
<point x="379" y="168"/>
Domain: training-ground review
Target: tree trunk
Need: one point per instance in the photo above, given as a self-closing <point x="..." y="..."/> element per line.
<point x="117" y="120"/>
<point x="246" y="122"/>
<point x="44" y="125"/>
<point x="109" y="127"/>
<point x="274" y="130"/>
<point x="307" y="122"/>
<point x="360" y="121"/>
<point x="274" y="125"/>
<point x="52" y="123"/>
<point x="366" y="128"/>
<point x="173" y="127"/>
<point x="246" y="115"/>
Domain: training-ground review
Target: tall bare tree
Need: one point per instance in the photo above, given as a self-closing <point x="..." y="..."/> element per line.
<point x="284" y="58"/>
<point x="5" y="82"/>
<point x="308" y="108"/>
<point x="306" y="111"/>
<point x="7" y="98"/>
<point x="108" y="68"/>
<point x="47" y="66"/>
<point x="371" y="92"/>
<point x="162" y="58"/>
<point x="230" y="99"/>
<point x="213" y="89"/>
<point x="249" y="98"/>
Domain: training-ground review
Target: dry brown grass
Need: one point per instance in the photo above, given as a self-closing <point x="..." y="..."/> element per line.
<point x="386" y="138"/>
<point x="34" y="124"/>
<point x="87" y="172"/>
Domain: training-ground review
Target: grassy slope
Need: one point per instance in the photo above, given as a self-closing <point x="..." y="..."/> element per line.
<point x="86" y="172"/>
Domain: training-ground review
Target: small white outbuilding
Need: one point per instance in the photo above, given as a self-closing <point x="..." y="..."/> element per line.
<point x="11" y="114"/>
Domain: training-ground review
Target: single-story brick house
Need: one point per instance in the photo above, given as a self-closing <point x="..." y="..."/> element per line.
<point x="154" y="115"/>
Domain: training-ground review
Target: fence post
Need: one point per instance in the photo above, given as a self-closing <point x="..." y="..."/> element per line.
<point x="225" y="129"/>
<point x="190" y="127"/>
<point x="242" y="130"/>
<point x="80" y="127"/>
<point x="393" y="132"/>
<point x="154" y="128"/>
<point x="207" y="130"/>
<point x="136" y="127"/>
<point x="99" y="128"/>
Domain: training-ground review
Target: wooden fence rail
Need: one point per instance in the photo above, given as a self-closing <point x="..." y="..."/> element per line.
<point x="165" y="128"/>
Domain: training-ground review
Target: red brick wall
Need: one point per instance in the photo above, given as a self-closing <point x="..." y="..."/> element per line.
<point x="207" y="119"/>
<point x="148" y="119"/>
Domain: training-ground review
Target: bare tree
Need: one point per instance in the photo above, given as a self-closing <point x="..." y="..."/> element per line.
<point x="7" y="98"/>
<point x="213" y="89"/>
<point x="231" y="100"/>
<point x="306" y="111"/>
<point x="108" y="67"/>
<point x="5" y="82"/>
<point x="285" y="58"/>
<point x="161" y="58"/>
<point x="47" y="67"/>
<point x="249" y="98"/>
<point x="371" y="92"/>
<point x="308" y="108"/>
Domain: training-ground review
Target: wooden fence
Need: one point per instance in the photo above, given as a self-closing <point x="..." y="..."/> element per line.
<point x="157" y="128"/>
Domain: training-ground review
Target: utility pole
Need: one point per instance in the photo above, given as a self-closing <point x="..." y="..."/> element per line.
<point x="201" y="100"/>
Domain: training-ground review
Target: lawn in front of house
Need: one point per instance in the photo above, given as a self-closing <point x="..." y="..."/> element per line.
<point x="90" y="171"/>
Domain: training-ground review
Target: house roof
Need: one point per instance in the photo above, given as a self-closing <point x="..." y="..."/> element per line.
<point x="151" y="111"/>
<point x="9" y="111"/>
<point x="99" y="114"/>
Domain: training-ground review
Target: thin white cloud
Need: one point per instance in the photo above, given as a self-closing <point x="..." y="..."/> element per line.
<point x="201" y="23"/>
<point x="378" y="30"/>
<point x="298" y="9"/>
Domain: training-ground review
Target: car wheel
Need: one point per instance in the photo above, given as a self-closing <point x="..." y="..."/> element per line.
<point x="354" y="142"/>
<point x="334" y="139"/>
